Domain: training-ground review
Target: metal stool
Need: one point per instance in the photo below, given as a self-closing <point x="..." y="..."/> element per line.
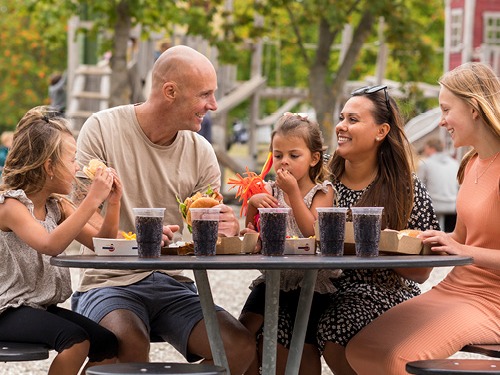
<point x="454" y="367"/>
<point x="19" y="351"/>
<point x="156" y="368"/>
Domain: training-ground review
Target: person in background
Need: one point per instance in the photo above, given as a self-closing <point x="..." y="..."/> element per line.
<point x="464" y="308"/>
<point x="6" y="143"/>
<point x="206" y="127"/>
<point x="438" y="172"/>
<point x="156" y="144"/>
<point x="36" y="222"/>
<point x="372" y="166"/>
<point x="302" y="185"/>
<point x="57" y="92"/>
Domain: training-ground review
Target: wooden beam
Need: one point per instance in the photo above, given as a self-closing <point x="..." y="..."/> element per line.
<point x="272" y="119"/>
<point x="243" y="92"/>
<point x="227" y="161"/>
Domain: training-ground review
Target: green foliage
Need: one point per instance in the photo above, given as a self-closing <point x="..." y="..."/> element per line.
<point x="30" y="52"/>
<point x="289" y="29"/>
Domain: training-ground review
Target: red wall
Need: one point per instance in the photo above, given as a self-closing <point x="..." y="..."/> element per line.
<point x="481" y="7"/>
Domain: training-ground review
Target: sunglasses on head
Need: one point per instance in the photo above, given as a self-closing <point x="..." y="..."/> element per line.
<point x="372" y="90"/>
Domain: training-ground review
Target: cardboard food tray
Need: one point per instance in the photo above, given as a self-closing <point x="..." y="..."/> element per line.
<point x="225" y="246"/>
<point x="114" y="246"/>
<point x="390" y="242"/>
<point x="300" y="246"/>
<point x="237" y="245"/>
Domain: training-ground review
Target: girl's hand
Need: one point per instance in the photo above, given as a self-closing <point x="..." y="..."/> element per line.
<point x="117" y="189"/>
<point x="101" y="185"/>
<point x="286" y="181"/>
<point x="441" y="241"/>
<point x="263" y="200"/>
<point x="251" y="229"/>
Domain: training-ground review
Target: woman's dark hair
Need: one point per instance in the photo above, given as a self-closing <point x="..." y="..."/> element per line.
<point x="393" y="185"/>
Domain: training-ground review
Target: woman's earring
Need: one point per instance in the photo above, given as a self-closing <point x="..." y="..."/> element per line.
<point x="51" y="177"/>
<point x="377" y="139"/>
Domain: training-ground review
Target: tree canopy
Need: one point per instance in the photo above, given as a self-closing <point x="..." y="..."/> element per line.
<point x="301" y="42"/>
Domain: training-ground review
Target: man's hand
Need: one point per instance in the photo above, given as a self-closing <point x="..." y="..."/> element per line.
<point x="229" y="225"/>
<point x="168" y="234"/>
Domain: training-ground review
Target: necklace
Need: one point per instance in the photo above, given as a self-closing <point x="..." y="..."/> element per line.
<point x="485" y="169"/>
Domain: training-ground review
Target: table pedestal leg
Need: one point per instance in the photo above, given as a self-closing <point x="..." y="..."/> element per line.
<point x="210" y="317"/>
<point x="300" y="325"/>
<point x="271" y="322"/>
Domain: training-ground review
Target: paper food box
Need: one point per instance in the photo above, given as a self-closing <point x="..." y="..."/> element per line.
<point x="225" y="246"/>
<point x="237" y="245"/>
<point x="300" y="246"/>
<point x="391" y="241"/>
<point x="114" y="246"/>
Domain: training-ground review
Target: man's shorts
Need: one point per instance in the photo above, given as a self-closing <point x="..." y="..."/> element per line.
<point x="168" y="308"/>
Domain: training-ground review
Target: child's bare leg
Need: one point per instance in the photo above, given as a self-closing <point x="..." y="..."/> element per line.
<point x="253" y="322"/>
<point x="70" y="360"/>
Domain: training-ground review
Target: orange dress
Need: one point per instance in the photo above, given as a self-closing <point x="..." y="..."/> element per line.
<point x="463" y="309"/>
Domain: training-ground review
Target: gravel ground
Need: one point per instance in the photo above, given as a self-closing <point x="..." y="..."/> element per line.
<point x="229" y="288"/>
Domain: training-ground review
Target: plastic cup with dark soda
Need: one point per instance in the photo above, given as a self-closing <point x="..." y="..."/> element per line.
<point x="367" y="223"/>
<point x="149" y="230"/>
<point x="331" y="222"/>
<point x="273" y="230"/>
<point x="205" y="226"/>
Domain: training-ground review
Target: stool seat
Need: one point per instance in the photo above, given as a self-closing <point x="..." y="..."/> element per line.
<point x="19" y="351"/>
<point x="156" y="368"/>
<point x="454" y="367"/>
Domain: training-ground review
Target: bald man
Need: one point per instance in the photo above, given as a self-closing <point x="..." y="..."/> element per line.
<point x="155" y="149"/>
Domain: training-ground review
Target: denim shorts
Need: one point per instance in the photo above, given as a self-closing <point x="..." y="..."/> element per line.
<point x="168" y="308"/>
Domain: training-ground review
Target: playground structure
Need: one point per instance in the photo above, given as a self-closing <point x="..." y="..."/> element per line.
<point x="89" y="85"/>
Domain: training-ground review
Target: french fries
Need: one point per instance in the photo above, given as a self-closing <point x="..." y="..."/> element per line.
<point x="129" y="235"/>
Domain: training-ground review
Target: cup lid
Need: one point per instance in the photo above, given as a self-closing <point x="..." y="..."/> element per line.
<point x="331" y="209"/>
<point x="279" y="210"/>
<point x="367" y="210"/>
<point x="150" y="212"/>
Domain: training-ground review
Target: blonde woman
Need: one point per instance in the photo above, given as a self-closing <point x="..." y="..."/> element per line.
<point x="465" y="307"/>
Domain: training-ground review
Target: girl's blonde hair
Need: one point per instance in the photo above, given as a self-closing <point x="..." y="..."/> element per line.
<point x="296" y="125"/>
<point x="38" y="137"/>
<point x="477" y="84"/>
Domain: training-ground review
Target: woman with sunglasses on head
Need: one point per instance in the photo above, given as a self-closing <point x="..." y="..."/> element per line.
<point x="372" y="166"/>
<point x="464" y="308"/>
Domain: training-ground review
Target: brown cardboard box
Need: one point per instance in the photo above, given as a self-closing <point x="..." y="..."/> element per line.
<point x="390" y="242"/>
<point x="300" y="246"/>
<point x="237" y="245"/>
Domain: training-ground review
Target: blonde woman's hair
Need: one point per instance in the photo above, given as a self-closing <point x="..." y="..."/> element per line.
<point x="293" y="124"/>
<point x="477" y="84"/>
<point x="38" y="137"/>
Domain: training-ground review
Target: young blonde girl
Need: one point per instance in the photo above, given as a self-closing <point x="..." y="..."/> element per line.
<point x="301" y="184"/>
<point x="464" y="308"/>
<point x="37" y="223"/>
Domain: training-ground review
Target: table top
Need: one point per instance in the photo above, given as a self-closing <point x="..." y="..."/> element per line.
<point x="257" y="261"/>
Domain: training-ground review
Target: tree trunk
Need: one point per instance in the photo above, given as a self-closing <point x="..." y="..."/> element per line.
<point x="325" y="97"/>
<point x="120" y="92"/>
<point x="318" y="80"/>
<point x="360" y="34"/>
